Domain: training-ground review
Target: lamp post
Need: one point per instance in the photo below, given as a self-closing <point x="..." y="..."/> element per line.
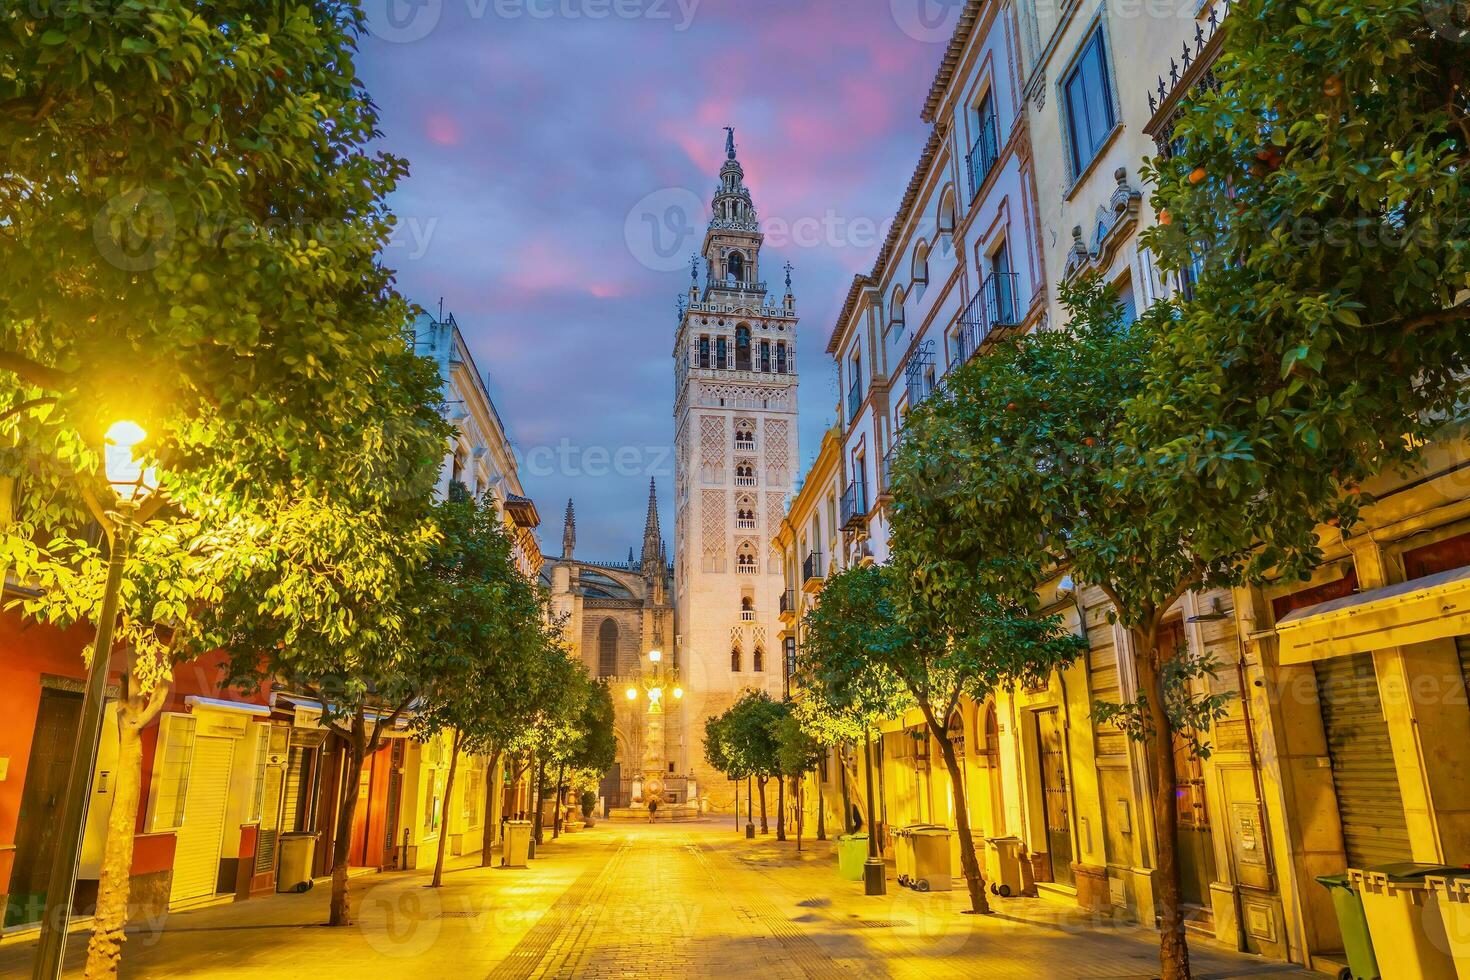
<point x="131" y="481"/>
<point x="749" y="809"/>
<point x="653" y="684"/>
<point x="874" y="882"/>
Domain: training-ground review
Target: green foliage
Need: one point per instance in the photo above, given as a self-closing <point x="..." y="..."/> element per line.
<point x="797" y="751"/>
<point x="1332" y="233"/>
<point x="748" y="735"/>
<point x="1191" y="714"/>
<point x="716" y="747"/>
<point x="596" y="746"/>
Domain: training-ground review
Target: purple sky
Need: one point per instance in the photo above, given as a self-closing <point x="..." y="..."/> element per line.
<point x="558" y="150"/>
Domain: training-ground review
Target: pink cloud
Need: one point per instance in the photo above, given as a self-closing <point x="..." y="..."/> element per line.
<point x="442" y="129"/>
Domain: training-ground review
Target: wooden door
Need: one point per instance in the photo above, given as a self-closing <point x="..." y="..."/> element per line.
<point x="57" y="718"/>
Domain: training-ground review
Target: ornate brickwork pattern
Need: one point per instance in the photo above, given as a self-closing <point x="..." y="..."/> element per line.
<point x="744" y="397"/>
<point x="778" y="452"/>
<point x="775" y="510"/>
<point x="712" y="528"/>
<point x="712" y="447"/>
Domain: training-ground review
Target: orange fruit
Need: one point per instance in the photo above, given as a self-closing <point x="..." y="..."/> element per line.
<point x="1198" y="175"/>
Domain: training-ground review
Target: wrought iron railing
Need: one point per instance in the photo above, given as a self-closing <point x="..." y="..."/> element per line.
<point x="812" y="567"/>
<point x="918" y="374"/>
<point x="854" y="505"/>
<point x="854" y="399"/>
<point x="983" y="154"/>
<point x="788" y="601"/>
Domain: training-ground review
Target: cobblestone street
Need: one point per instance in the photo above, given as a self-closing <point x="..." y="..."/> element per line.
<point x="694" y="900"/>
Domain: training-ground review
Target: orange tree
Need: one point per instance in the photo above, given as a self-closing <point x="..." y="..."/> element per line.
<point x="874" y="632"/>
<point x="1018" y="468"/>
<point x="190" y="225"/>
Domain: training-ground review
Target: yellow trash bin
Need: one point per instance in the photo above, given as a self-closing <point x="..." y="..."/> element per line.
<point x="932" y="869"/>
<point x="1005" y="866"/>
<point x="515" y="846"/>
<point x="1453" y="893"/>
<point x="1404" y="921"/>
<point x="903" y="851"/>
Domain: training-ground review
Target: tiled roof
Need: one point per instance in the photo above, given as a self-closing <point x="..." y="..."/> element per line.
<point x="951" y="60"/>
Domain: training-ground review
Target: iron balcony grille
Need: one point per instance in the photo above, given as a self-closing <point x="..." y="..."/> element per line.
<point x="854" y="400"/>
<point x="886" y="470"/>
<point x="788" y="601"/>
<point x="992" y="309"/>
<point x="919" y="376"/>
<point x="854" y="506"/>
<point x="983" y="154"/>
<point x="812" y="567"/>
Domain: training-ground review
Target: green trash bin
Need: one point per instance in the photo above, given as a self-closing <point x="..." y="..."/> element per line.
<point x="852" y="854"/>
<point x="1356" y="942"/>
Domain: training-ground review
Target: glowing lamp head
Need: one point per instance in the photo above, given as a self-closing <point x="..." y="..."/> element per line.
<point x="654" y="656"/>
<point x="632" y="693"/>
<point x="654" y="693"/>
<point x="678" y="693"/>
<point x="130" y="480"/>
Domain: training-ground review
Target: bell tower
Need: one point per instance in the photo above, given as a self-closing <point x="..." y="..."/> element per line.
<point x="735" y="421"/>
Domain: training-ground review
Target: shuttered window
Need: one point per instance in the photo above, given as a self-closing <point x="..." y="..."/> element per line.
<point x="1368" y="800"/>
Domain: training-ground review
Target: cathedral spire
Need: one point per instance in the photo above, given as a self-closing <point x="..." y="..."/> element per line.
<point x="569" y="533"/>
<point x="651" y="536"/>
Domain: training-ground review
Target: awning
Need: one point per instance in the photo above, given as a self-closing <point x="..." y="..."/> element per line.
<point x="308" y="712"/>
<point x="218" y="704"/>
<point x="1431" y="608"/>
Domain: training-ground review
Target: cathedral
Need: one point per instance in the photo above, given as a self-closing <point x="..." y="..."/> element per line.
<point x="615" y="614"/>
<point x="679" y="643"/>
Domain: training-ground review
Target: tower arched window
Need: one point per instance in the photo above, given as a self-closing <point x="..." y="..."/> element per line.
<point x="745" y="559"/>
<point x="766" y="356"/>
<point x="780" y="357"/>
<point x="742" y="348"/>
<point x="758" y="661"/>
<point x="921" y="263"/>
<point x="721" y="345"/>
<point x="704" y="352"/>
<point x="744" y="434"/>
<point x="735" y="658"/>
<point x="607" y="649"/>
<point x="735" y="268"/>
<point x="895" y="309"/>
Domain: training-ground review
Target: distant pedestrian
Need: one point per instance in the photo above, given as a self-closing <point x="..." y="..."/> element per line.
<point x="652" y="808"/>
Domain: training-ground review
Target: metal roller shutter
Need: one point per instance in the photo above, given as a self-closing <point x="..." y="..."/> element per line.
<point x="196" y="857"/>
<point x="1368" y="799"/>
<point x="270" y="813"/>
<point x="1463" y="642"/>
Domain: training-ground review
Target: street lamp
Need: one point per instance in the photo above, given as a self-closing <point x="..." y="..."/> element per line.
<point x="131" y="483"/>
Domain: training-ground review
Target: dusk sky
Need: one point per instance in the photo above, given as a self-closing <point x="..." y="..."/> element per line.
<point x="559" y="151"/>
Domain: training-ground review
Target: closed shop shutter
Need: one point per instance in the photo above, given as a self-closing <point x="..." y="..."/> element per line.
<point x="1368" y="799"/>
<point x="270" y="813"/>
<point x="196" y="858"/>
<point x="1463" y="642"/>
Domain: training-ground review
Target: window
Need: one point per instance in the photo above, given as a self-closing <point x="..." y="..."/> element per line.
<point x="766" y="356"/>
<point x="744" y="434"/>
<point x="704" y="352"/>
<point x="921" y="263"/>
<point x="1000" y="287"/>
<point x="986" y="148"/>
<point x="170" y="786"/>
<point x="735" y="660"/>
<point x="607" y="649"/>
<point x="1088" y="99"/>
<point x="947" y="220"/>
<point x="742" y="349"/>
<point x="895" y="309"/>
<point x="735" y="268"/>
<point x="456" y="474"/>
<point x="758" y="662"/>
<point x="433" y="794"/>
<point x="1127" y="302"/>
<point x="747" y="611"/>
<point x="780" y="357"/>
<point x="745" y="559"/>
<point x="720" y="345"/>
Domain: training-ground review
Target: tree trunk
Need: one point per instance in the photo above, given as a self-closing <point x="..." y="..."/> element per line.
<point x="561" y="773"/>
<point x="800" y="809"/>
<point x="492" y="811"/>
<point x="1173" y="948"/>
<point x="115" y="881"/>
<point x="969" y="863"/>
<point x="780" y="807"/>
<point x="737" y="801"/>
<point x="846" y="796"/>
<point x="537" y="785"/>
<point x="340" y="913"/>
<point x="448" y="800"/>
<point x="761" y="781"/>
<point x="821" y="813"/>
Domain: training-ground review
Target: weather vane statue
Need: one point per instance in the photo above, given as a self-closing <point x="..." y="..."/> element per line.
<point x="730" y="142"/>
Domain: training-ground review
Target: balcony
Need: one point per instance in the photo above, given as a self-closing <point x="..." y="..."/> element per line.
<point x="855" y="507"/>
<point x="1190" y="72"/>
<point x="744" y="481"/>
<point x="919" y="375"/>
<point x="747" y="569"/>
<point x="993" y="308"/>
<point x="736" y="287"/>
<point x="854" y="400"/>
<point x="788" y="607"/>
<point x="885" y="471"/>
<point x="745" y="523"/>
<point x="747" y="615"/>
<point x="983" y="155"/>
<point x="811" y="573"/>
